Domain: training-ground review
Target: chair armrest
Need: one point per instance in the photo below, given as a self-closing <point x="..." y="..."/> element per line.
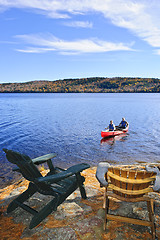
<point x="156" y="186"/>
<point x="16" y="169"/>
<point x="62" y="175"/>
<point x="101" y="171"/>
<point x="44" y="158"/>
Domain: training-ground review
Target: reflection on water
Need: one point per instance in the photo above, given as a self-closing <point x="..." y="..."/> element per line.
<point x="70" y="125"/>
<point x="111" y="140"/>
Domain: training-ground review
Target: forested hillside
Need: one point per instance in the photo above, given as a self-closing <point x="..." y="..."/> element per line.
<point x="88" y="85"/>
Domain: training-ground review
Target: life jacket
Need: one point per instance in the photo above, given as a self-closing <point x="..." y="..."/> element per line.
<point x="111" y="127"/>
<point x="123" y="124"/>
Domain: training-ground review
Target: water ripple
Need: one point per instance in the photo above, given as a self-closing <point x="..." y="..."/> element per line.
<point x="70" y="125"/>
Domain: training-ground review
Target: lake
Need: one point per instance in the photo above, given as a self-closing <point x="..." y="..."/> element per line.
<point x="70" y="125"/>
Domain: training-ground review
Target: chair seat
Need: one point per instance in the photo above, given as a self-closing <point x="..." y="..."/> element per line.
<point x="65" y="185"/>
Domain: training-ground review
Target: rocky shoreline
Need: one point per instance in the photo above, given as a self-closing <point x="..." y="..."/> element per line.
<point x="75" y="219"/>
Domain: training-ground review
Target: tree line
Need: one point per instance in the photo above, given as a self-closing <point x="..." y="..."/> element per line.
<point x="85" y="85"/>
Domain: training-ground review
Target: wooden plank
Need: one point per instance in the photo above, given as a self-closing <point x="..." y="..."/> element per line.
<point x="151" y="217"/>
<point x="131" y="175"/>
<point x="126" y="180"/>
<point x="137" y="186"/>
<point x="104" y="198"/>
<point x="110" y="170"/>
<point x="44" y="158"/>
<point x="111" y="180"/>
<point x="130" y="192"/>
<point x="128" y="220"/>
<point x="116" y="171"/>
<point x="131" y="199"/>
<point x="140" y="175"/>
<point x="124" y="174"/>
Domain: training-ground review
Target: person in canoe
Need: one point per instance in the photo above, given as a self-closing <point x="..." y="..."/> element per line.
<point x="123" y="124"/>
<point x="111" y="126"/>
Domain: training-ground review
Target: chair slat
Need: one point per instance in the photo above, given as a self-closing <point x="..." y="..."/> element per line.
<point x="124" y="175"/>
<point x="115" y="171"/>
<point x="137" y="186"/>
<point x="139" y="175"/>
<point x="131" y="192"/>
<point x="126" y="180"/>
<point x="131" y="175"/>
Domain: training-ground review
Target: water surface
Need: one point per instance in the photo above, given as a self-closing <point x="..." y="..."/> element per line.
<point x="70" y="125"/>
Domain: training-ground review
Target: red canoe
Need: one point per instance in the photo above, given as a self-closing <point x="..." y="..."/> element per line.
<point x="107" y="133"/>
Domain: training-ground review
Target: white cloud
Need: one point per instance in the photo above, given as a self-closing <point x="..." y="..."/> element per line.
<point x="79" y="24"/>
<point x="35" y="50"/>
<point x="142" y="18"/>
<point x="51" y="43"/>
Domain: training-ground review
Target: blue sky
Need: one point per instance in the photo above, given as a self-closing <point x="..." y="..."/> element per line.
<point x="60" y="39"/>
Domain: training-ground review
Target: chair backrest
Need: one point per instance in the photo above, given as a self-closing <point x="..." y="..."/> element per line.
<point x="25" y="164"/>
<point x="130" y="183"/>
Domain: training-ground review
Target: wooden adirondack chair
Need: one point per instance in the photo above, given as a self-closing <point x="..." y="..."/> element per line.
<point x="58" y="183"/>
<point x="129" y="185"/>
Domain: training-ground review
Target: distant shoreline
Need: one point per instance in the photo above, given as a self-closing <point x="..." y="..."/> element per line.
<point x="74" y="92"/>
<point x="86" y="85"/>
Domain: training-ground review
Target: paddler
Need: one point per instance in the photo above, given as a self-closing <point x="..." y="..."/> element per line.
<point x="123" y="123"/>
<point x="111" y="126"/>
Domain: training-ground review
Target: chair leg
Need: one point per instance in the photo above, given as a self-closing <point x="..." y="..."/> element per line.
<point x="22" y="198"/>
<point x="81" y="186"/>
<point x="106" y="212"/>
<point x="151" y="217"/>
<point x="44" y="212"/>
<point x="104" y="198"/>
<point x="49" y="208"/>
